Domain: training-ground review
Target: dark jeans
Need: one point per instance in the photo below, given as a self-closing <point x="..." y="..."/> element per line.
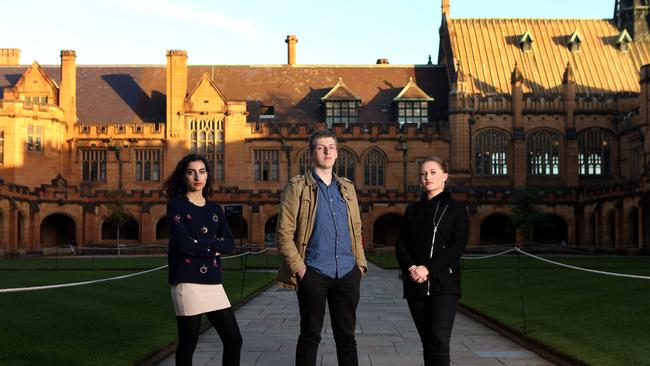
<point x="342" y="296"/>
<point x="434" y="318"/>
<point x="226" y="325"/>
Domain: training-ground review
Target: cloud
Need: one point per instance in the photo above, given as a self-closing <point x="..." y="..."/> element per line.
<point x="183" y="13"/>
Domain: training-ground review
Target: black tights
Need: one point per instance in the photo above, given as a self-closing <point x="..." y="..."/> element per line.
<point x="226" y="325"/>
<point x="434" y="320"/>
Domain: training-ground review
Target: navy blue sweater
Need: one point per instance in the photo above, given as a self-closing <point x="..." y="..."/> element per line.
<point x="196" y="234"/>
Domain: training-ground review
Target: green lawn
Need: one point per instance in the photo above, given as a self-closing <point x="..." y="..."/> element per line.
<point x="111" y="323"/>
<point x="598" y="319"/>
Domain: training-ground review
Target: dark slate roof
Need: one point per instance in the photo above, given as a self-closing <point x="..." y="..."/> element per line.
<point x="127" y="94"/>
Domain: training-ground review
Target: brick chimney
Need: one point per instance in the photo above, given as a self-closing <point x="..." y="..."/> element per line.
<point x="9" y="56"/>
<point x="176" y="90"/>
<point x="291" y="49"/>
<point x="68" y="87"/>
<point x="382" y="61"/>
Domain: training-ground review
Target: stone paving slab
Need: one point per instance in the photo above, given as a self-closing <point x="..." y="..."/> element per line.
<point x="386" y="335"/>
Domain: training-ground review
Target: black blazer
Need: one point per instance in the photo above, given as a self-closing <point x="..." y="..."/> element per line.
<point x="414" y="244"/>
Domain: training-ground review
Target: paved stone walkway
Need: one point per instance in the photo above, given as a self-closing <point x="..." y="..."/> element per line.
<point x="386" y="335"/>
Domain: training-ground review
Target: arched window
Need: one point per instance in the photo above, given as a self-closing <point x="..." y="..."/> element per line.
<point x="491" y="153"/>
<point x="374" y="167"/>
<point x="543" y="153"/>
<point x="304" y="162"/>
<point x="207" y="138"/>
<point x="344" y="166"/>
<point x="345" y="163"/>
<point x="594" y="147"/>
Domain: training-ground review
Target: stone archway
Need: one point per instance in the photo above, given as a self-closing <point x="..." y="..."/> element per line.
<point x="385" y="230"/>
<point x="129" y="230"/>
<point x="162" y="229"/>
<point x="239" y="227"/>
<point x="553" y="231"/>
<point x="632" y="226"/>
<point x="495" y="229"/>
<point x="57" y="230"/>
<point x="610" y="224"/>
<point x="269" y="231"/>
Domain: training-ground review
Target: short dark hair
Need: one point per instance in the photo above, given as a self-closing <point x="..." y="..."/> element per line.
<point x="435" y="159"/>
<point x="319" y="134"/>
<point x="176" y="187"/>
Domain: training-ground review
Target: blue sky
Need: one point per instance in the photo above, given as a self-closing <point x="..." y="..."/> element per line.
<point x="253" y="31"/>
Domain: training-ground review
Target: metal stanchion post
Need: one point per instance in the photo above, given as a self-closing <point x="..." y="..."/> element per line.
<point x="521" y="292"/>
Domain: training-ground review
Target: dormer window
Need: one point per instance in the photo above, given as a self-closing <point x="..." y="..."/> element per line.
<point x="341" y="111"/>
<point x="575" y="40"/>
<point x="341" y="105"/>
<point x="623" y="41"/>
<point x="526" y="42"/>
<point x="267" y="112"/>
<point x="412" y="105"/>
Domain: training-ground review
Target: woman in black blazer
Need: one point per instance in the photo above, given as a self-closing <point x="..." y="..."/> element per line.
<point x="432" y="239"/>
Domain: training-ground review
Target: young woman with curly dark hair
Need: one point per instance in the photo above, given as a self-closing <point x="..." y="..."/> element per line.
<point x="199" y="236"/>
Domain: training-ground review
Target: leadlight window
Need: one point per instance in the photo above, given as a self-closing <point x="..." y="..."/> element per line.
<point x="594" y="152"/>
<point x="93" y="165"/>
<point x="267" y="165"/>
<point x="543" y="153"/>
<point x="491" y="153"/>
<point x="34" y="138"/>
<point x="374" y="168"/>
<point x="147" y="165"/>
<point x="207" y="137"/>
<point x="412" y="112"/>
<point x="344" y="166"/>
<point x="341" y="111"/>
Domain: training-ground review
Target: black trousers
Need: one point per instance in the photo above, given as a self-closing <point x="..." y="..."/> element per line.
<point x="342" y="297"/>
<point x="434" y="319"/>
<point x="226" y="325"/>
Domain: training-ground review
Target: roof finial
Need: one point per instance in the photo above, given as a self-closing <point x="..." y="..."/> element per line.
<point x="445" y="8"/>
<point x="516" y="76"/>
<point x="569" y="76"/>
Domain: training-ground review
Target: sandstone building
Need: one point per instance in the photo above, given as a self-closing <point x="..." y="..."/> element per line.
<point x="559" y="105"/>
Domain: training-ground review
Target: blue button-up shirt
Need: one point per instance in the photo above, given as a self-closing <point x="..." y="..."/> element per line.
<point x="330" y="251"/>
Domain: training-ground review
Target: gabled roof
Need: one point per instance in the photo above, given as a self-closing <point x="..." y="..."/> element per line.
<point x="128" y="94"/>
<point x="489" y="48"/>
<point x="206" y="80"/>
<point x="35" y="68"/>
<point x="575" y="37"/>
<point x="340" y="92"/>
<point x="624" y="36"/>
<point x="526" y="37"/>
<point x="412" y="92"/>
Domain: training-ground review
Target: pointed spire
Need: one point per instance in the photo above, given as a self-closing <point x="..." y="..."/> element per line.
<point x="445" y="8"/>
<point x="461" y="80"/>
<point x="569" y="76"/>
<point x="516" y="76"/>
<point x="429" y="62"/>
<point x="460" y="74"/>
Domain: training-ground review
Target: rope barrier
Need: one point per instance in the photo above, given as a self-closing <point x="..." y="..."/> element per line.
<point x="583" y="269"/>
<point x="489" y="256"/>
<point x="34" y="288"/>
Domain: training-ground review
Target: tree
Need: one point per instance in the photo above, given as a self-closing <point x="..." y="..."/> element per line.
<point x="525" y="212"/>
<point x="118" y="214"/>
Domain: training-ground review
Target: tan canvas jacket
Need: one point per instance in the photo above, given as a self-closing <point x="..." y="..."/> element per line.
<point x="296" y="222"/>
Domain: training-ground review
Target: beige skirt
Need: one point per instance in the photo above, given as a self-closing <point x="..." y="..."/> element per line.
<point x="195" y="298"/>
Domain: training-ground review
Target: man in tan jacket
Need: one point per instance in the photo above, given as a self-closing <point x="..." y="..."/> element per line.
<point x="319" y="237"/>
